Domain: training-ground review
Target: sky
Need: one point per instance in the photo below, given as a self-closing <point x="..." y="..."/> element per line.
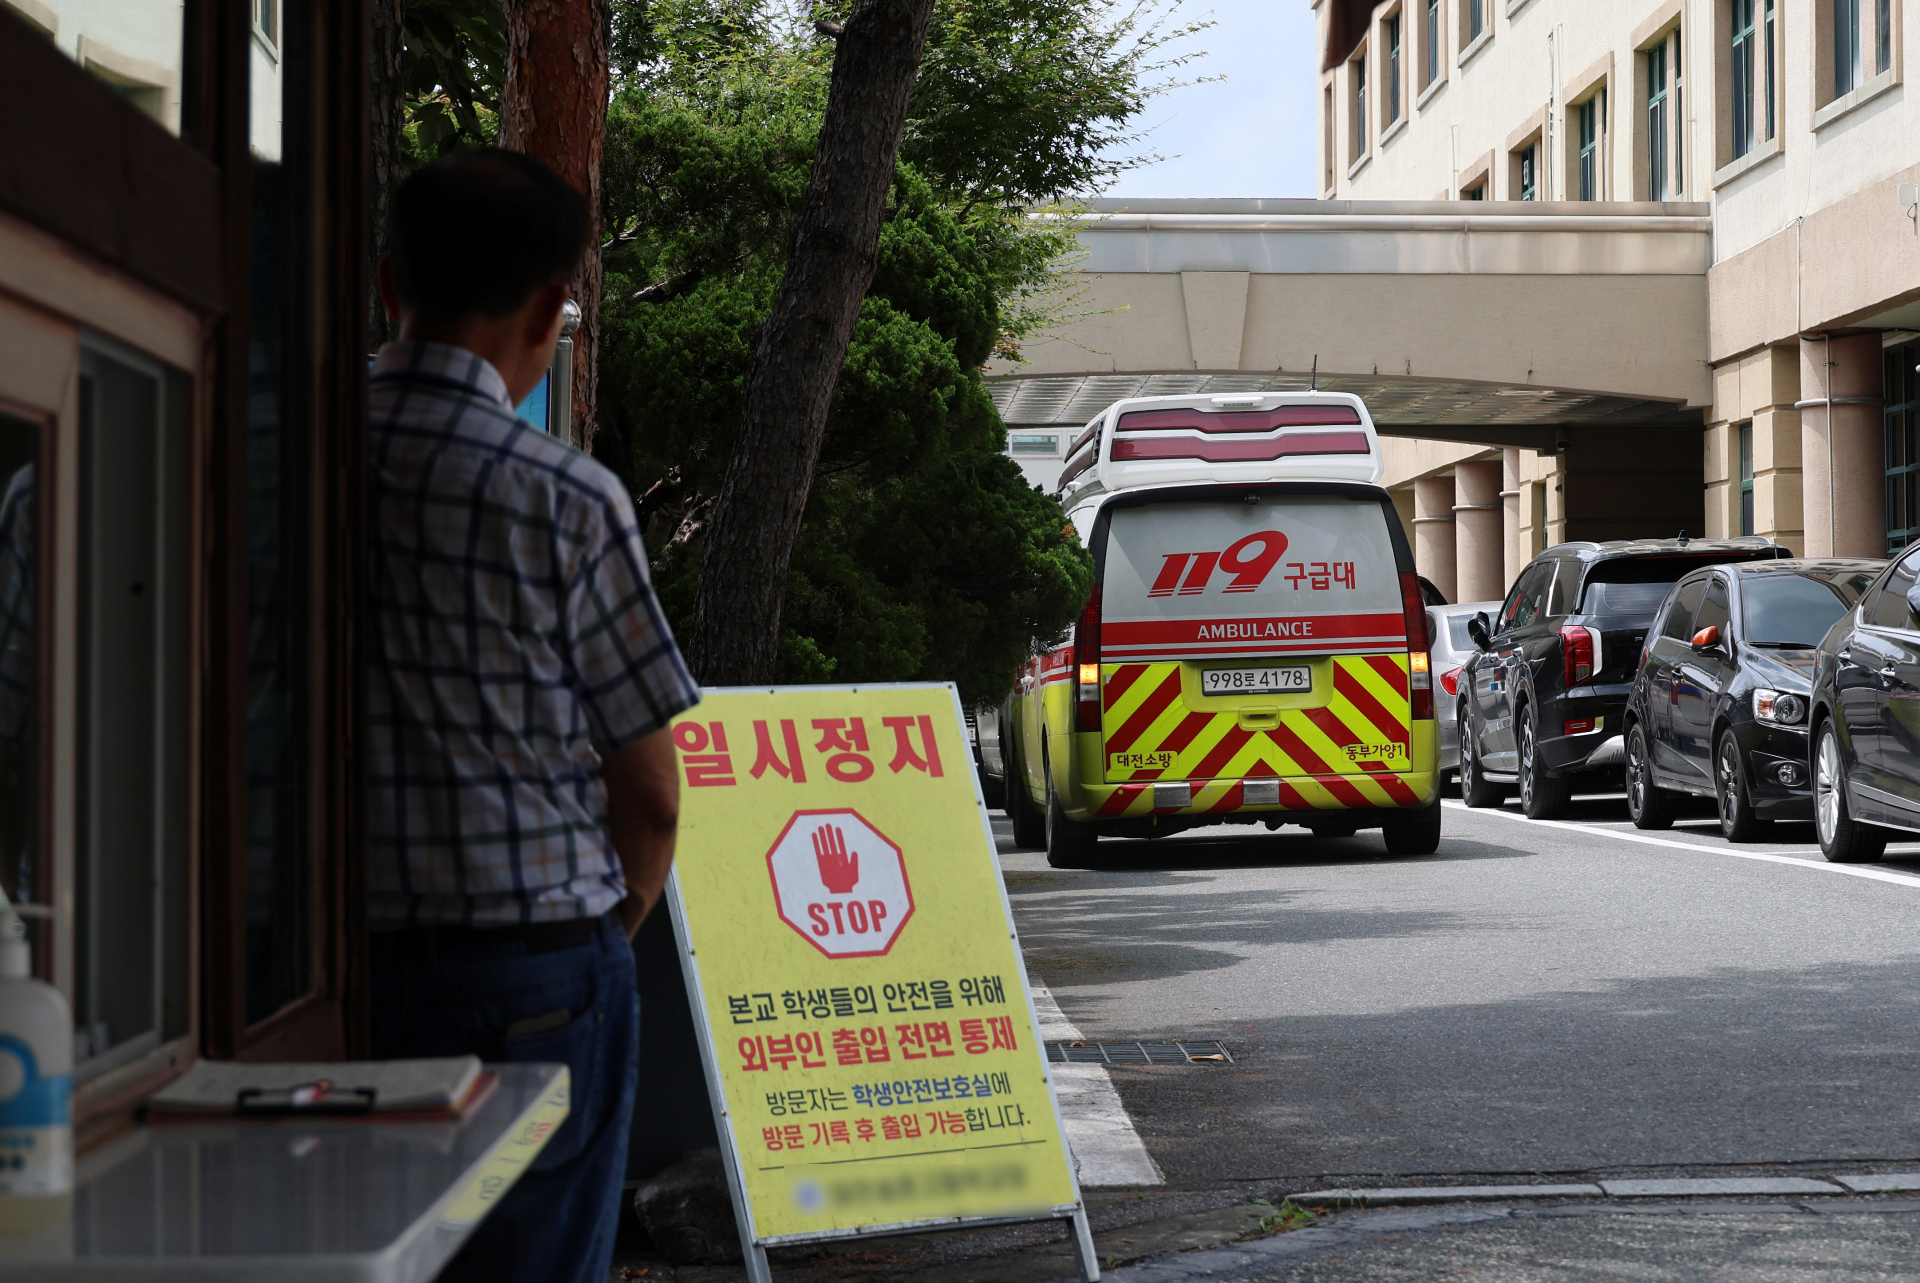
<point x="1251" y="135"/>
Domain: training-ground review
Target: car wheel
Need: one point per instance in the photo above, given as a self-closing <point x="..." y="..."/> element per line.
<point x="1413" y="832"/>
<point x="1029" y="825"/>
<point x="1475" y="789"/>
<point x="1843" y="839"/>
<point x="1648" y="805"/>
<point x="1738" y="820"/>
<point x="1543" y="796"/>
<point x="1069" y="843"/>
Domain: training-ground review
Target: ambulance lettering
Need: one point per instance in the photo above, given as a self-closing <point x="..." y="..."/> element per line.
<point x="1248" y="567"/>
<point x="1256" y="630"/>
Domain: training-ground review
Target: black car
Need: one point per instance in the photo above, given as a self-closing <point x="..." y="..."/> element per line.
<point x="1865" y="720"/>
<point x="1719" y="708"/>
<point x="1541" y="703"/>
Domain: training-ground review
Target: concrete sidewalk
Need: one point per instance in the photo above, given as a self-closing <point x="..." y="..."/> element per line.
<point x="1806" y="1226"/>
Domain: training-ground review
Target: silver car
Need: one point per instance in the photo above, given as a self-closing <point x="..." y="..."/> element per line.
<point x="1451" y="649"/>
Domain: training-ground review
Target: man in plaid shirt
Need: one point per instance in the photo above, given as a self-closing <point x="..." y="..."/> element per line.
<point x="522" y="790"/>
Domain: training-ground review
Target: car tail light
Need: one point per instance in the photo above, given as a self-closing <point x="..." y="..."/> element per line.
<point x="1420" y="676"/>
<point x="1577" y="653"/>
<point x="1086" y="666"/>
<point x="1450" y="680"/>
<point x="1578" y="726"/>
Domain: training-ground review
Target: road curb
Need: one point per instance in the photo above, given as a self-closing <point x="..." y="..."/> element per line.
<point x="1257" y="1258"/>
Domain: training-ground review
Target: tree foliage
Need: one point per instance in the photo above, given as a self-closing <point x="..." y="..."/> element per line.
<point x="923" y="553"/>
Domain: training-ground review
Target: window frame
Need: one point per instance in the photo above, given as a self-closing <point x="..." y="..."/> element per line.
<point x="1471" y="41"/>
<point x="1743" y="454"/>
<point x="134" y="215"/>
<point x="1901" y="435"/>
<point x="1658" y="119"/>
<point x="1746" y="61"/>
<point x="1359" y="142"/>
<point x="1433" y="36"/>
<point x="1392" y="102"/>
<point x="1830" y="100"/>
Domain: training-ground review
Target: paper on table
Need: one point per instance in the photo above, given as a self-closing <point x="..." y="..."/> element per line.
<point x="399" y="1086"/>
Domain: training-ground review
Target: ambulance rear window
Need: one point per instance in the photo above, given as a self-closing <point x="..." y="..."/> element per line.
<point x="1285" y="574"/>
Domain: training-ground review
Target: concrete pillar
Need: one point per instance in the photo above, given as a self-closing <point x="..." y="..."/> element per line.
<point x="1480" y="553"/>
<point x="1842" y="446"/>
<point x="1516" y="543"/>
<point x="1433" y="538"/>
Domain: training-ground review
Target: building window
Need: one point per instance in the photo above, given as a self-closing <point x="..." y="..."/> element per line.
<point x="1742" y="80"/>
<point x="1476" y="19"/>
<point x="1766" y="51"/>
<point x="1746" y="478"/>
<point x="1326" y="112"/>
<point x="266" y="21"/>
<point x="1393" y="68"/>
<point x="1903" y="459"/>
<point x="1358" y="70"/>
<point x="1476" y="192"/>
<point x="1587" y="116"/>
<point x="1862" y="42"/>
<point x="1431" y="40"/>
<point x="1526" y="186"/>
<point x="1664" y="120"/>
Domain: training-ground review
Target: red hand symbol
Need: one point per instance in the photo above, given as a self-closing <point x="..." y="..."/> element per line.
<point x="839" y="870"/>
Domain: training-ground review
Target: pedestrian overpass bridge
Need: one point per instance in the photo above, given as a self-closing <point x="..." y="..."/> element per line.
<point x="1539" y="370"/>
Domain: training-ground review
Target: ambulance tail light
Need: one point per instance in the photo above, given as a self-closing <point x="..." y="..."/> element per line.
<point x="1086" y="666"/>
<point x="1419" y="669"/>
<point x="1576" y="653"/>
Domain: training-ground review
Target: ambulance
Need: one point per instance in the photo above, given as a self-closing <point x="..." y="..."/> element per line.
<point x="1254" y="649"/>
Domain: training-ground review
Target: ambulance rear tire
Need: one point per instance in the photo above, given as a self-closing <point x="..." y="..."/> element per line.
<point x="1413" y="832"/>
<point x="1029" y="825"/>
<point x="1069" y="843"/>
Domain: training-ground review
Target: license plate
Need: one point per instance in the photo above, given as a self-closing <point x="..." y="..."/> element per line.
<point x="1256" y="681"/>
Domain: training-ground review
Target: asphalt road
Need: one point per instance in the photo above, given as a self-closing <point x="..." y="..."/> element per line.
<point x="1533" y="999"/>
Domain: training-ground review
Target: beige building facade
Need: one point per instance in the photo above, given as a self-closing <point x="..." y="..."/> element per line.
<point x="1789" y="120"/>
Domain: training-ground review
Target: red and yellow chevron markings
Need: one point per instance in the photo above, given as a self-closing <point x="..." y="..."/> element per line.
<point x="1342" y="752"/>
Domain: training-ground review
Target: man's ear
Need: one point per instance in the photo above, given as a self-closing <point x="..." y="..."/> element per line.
<point x="389" y="295"/>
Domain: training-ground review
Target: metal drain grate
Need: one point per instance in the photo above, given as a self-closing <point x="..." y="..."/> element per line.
<point x="1139" y="1053"/>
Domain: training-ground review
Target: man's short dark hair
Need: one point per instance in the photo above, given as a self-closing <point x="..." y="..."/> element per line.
<point x="476" y="233"/>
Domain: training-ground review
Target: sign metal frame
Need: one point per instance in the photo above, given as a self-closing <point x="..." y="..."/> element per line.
<point x="752" y="1245"/>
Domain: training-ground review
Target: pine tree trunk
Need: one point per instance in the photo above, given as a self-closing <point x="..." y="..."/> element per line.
<point x="554" y="108"/>
<point x="387" y="100"/>
<point x="800" y="348"/>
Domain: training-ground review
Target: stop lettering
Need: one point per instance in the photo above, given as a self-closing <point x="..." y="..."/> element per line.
<point x="840" y="883"/>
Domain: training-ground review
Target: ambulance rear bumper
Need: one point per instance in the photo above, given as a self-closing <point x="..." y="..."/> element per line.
<point x="1231" y="798"/>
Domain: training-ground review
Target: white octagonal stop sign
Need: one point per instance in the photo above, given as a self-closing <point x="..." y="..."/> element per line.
<point x="840" y="883"/>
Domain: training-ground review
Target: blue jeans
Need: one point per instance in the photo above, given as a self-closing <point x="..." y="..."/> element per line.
<point x="558" y="1222"/>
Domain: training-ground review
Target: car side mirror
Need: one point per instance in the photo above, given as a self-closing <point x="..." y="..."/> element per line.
<point x="1913" y="597"/>
<point x="1706" y="639"/>
<point x="1480" y="628"/>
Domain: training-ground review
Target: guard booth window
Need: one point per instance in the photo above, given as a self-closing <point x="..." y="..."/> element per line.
<point x="133" y="744"/>
<point x="1903" y="467"/>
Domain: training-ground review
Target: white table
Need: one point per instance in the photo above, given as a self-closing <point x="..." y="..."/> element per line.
<point x="306" y="1200"/>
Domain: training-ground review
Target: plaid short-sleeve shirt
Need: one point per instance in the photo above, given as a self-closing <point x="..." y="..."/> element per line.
<point x="515" y="639"/>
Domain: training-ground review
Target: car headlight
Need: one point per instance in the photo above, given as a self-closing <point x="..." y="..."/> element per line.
<point x="1782" y="708"/>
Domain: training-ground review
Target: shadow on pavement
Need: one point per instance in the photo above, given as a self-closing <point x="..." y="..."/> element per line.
<point x="1796" y="1064"/>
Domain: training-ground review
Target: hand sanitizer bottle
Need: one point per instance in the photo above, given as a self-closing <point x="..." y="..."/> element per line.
<point x="36" y="1085"/>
